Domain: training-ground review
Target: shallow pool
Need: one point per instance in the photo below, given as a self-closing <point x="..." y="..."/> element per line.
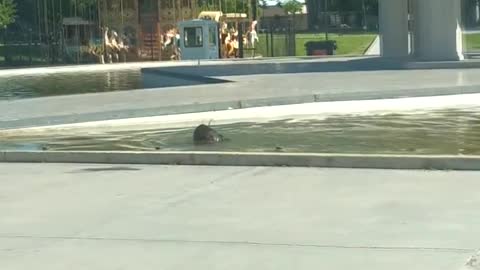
<point x="68" y="83"/>
<point x="449" y="131"/>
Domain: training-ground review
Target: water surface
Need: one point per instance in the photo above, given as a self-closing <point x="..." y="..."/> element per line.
<point x="68" y="83"/>
<point x="449" y="131"/>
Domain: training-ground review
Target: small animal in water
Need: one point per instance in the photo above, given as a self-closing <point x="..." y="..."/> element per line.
<point x="204" y="134"/>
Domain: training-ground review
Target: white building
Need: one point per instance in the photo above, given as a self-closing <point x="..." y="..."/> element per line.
<point x="434" y="34"/>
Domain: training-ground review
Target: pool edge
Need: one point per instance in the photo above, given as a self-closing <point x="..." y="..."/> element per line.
<point x="399" y="162"/>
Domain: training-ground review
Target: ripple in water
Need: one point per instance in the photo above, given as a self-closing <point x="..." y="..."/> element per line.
<point x="452" y="131"/>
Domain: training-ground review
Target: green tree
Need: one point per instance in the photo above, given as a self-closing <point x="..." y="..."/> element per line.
<point x="292" y="7"/>
<point x="8" y="11"/>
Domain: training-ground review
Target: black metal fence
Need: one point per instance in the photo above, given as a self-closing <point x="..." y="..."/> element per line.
<point x="289" y="35"/>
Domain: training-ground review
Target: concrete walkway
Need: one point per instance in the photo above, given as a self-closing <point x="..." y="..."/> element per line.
<point x="62" y="216"/>
<point x="244" y="91"/>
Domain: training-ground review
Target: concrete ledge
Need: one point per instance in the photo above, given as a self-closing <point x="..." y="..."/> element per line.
<point x="236" y="103"/>
<point x="251" y="159"/>
<point x="226" y="69"/>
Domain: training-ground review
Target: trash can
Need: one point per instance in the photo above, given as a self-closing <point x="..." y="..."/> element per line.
<point x="326" y="47"/>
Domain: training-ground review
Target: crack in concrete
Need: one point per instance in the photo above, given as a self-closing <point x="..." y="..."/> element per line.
<point x="245" y="243"/>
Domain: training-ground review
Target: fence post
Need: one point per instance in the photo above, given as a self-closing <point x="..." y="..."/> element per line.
<point x="326" y="18"/>
<point x="8" y="57"/>
<point x="271" y="40"/>
<point x="30" y="46"/>
<point x="267" y="44"/>
<point x="240" y="40"/>
<point x="2" y="42"/>
<point x="291" y="49"/>
<point x="151" y="43"/>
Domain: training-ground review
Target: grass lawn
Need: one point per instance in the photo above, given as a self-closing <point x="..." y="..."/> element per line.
<point x="472" y="42"/>
<point x="348" y="44"/>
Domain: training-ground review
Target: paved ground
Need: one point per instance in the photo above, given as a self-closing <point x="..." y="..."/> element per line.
<point x="245" y="91"/>
<point x="62" y="216"/>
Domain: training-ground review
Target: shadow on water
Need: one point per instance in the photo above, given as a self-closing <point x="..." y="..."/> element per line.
<point x="452" y="131"/>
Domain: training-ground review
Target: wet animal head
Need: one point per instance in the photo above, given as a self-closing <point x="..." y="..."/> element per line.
<point x="204" y="134"/>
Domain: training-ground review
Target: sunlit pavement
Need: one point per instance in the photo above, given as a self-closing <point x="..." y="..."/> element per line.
<point x="63" y="216"/>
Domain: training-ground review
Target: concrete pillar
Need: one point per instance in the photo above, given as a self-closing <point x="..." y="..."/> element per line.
<point x="437" y="28"/>
<point x="393" y="23"/>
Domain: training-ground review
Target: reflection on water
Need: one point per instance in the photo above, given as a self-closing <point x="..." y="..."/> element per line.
<point x="28" y="86"/>
<point x="452" y="131"/>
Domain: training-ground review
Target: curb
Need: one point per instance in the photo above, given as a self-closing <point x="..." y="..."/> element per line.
<point x="399" y="162"/>
<point x="366" y="52"/>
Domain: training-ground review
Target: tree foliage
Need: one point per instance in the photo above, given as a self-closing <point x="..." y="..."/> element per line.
<point x="292" y="7"/>
<point x="8" y="11"/>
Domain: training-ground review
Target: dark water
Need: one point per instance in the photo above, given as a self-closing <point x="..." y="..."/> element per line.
<point x="41" y="85"/>
<point x="452" y="131"/>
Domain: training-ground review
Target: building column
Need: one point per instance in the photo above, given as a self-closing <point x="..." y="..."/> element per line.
<point x="393" y="23"/>
<point x="438" y="33"/>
